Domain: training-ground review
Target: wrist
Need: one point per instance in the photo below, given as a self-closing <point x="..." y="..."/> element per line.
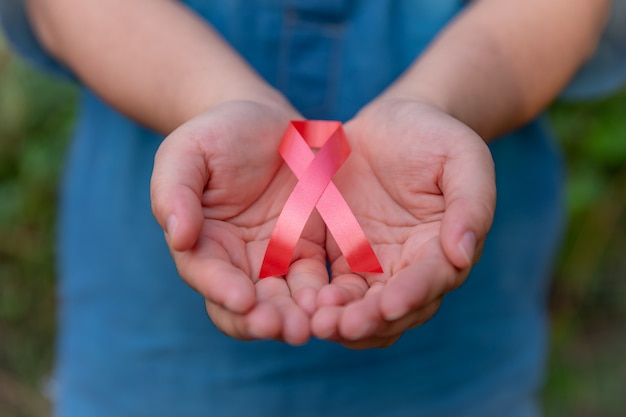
<point x="204" y="96"/>
<point x="417" y="92"/>
<point x="466" y="108"/>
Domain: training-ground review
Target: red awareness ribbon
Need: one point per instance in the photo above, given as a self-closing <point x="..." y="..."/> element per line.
<point x="315" y="189"/>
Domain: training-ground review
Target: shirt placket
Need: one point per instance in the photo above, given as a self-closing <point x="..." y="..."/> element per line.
<point x="311" y="53"/>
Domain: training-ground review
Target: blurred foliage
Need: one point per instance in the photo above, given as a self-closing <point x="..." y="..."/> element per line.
<point x="588" y="304"/>
<point x="35" y="118"/>
<point x="587" y="370"/>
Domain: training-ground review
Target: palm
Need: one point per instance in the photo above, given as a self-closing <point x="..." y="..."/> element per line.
<point x="236" y="186"/>
<point x="397" y="182"/>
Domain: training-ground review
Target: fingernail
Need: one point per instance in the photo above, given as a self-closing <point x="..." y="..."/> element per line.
<point x="467" y="246"/>
<point x="170" y="225"/>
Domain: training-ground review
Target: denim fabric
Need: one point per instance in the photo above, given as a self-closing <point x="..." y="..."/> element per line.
<point x="14" y="23"/>
<point x="606" y="70"/>
<point x="134" y="340"/>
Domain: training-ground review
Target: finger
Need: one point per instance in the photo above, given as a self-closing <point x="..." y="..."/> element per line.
<point x="263" y="322"/>
<point x="219" y="281"/>
<point x="305" y="279"/>
<point x="409" y="321"/>
<point x="294" y="328"/>
<point x="308" y="273"/>
<point x="333" y="335"/>
<point x="356" y="320"/>
<point x="388" y="333"/>
<point x="342" y="290"/>
<point x="268" y="319"/>
<point x="468" y="185"/>
<point x="362" y="318"/>
<point x="178" y="179"/>
<point x="371" y="342"/>
<point x="418" y="285"/>
<point x="325" y="323"/>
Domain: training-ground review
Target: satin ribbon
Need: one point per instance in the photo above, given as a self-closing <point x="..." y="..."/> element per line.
<point x="315" y="189"/>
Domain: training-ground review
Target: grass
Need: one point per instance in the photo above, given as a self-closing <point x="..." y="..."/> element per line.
<point x="587" y="369"/>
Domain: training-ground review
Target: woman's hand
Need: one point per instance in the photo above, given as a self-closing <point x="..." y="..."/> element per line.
<point x="217" y="188"/>
<point x="422" y="186"/>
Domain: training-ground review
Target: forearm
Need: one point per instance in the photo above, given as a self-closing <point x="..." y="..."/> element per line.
<point x="153" y="60"/>
<point x="501" y="62"/>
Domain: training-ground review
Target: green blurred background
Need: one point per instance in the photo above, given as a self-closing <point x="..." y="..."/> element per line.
<point x="587" y="369"/>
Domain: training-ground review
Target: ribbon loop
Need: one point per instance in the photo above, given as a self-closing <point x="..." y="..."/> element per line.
<point x="315" y="189"/>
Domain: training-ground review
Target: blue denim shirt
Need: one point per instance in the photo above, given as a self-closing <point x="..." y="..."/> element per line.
<point x="134" y="340"/>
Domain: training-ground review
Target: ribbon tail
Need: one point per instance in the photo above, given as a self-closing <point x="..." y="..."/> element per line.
<point x="347" y="232"/>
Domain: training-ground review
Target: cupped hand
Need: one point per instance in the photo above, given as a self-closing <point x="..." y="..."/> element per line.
<point x="422" y="186"/>
<point x="217" y="187"/>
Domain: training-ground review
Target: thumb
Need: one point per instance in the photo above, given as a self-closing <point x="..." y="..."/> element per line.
<point x="468" y="186"/>
<point x="178" y="179"/>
